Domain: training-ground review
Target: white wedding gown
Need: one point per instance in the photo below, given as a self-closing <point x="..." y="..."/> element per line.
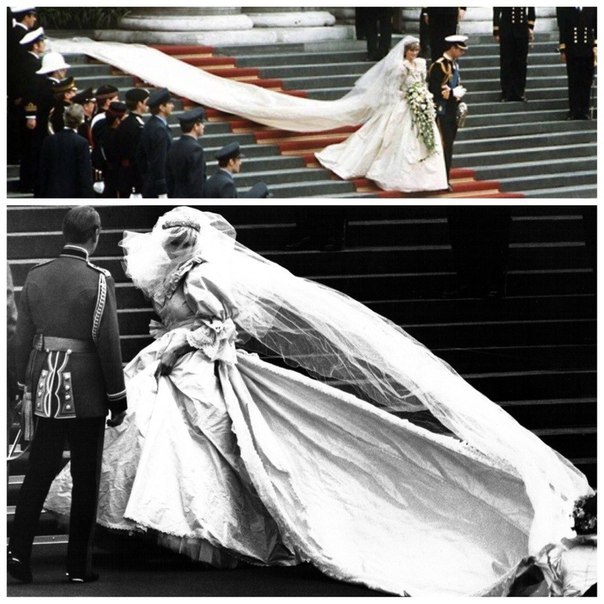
<point x="387" y="148"/>
<point x="230" y="457"/>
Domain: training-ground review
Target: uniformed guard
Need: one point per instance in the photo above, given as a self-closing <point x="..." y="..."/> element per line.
<point x="69" y="366"/>
<point x="444" y="82"/>
<point x="127" y="138"/>
<point x="155" y="143"/>
<point x="222" y="183"/>
<point x="578" y="27"/>
<point x="23" y="21"/>
<point x="513" y="28"/>
<point x="186" y="169"/>
<point x="34" y="44"/>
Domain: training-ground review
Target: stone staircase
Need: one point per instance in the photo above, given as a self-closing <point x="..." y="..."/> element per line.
<point x="533" y="352"/>
<point x="506" y="149"/>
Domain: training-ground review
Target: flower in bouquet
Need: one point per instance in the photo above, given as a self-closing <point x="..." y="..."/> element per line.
<point x="423" y="114"/>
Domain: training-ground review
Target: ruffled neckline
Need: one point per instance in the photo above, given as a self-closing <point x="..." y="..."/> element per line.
<point x="175" y="276"/>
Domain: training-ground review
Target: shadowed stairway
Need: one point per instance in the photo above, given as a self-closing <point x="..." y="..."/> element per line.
<point x="533" y="352"/>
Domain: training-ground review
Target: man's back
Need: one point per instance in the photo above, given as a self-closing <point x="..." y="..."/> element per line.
<point x="65" y="167"/>
<point x="186" y="168"/>
<point x="220" y="186"/>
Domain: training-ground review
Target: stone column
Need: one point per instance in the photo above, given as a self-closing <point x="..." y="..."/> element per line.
<point x="226" y="26"/>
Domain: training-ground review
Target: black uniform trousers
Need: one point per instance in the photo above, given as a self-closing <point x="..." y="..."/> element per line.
<point x="513" y="65"/>
<point x="447" y="125"/>
<point x="580" y="71"/>
<point x="479" y="238"/>
<point x="85" y="438"/>
<point x="376" y="24"/>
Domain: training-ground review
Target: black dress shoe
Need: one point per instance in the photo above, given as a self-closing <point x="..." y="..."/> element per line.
<point x="18" y="569"/>
<point x="91" y="578"/>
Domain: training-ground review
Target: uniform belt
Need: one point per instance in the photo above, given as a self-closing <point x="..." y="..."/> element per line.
<point x="42" y="343"/>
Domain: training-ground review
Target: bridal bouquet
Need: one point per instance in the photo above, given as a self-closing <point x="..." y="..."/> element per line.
<point x="422" y="113"/>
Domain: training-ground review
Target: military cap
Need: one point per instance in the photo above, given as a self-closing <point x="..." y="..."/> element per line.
<point x="31" y="37"/>
<point x="52" y="61"/>
<point x="159" y="97"/>
<point x="192" y="116"/>
<point x="63" y="86"/>
<point x="137" y="94"/>
<point x="106" y="91"/>
<point x="230" y="151"/>
<point x="86" y="96"/>
<point x="16" y="11"/>
<point x="457" y="40"/>
<point x="258" y="191"/>
<point x="117" y="108"/>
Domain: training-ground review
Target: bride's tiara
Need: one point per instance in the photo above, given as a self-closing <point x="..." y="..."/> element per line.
<point x="181" y="223"/>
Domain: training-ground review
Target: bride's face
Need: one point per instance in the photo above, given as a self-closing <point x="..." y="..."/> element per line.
<point x="411" y="52"/>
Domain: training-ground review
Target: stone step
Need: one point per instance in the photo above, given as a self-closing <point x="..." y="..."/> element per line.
<point x="571" y="178"/>
<point x="510" y="130"/>
<point x="552" y="167"/>
<point x="574" y="192"/>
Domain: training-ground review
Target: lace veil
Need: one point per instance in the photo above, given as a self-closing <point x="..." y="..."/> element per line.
<point x="337" y="339"/>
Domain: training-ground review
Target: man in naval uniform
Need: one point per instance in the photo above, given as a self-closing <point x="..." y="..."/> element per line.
<point x="513" y="28"/>
<point x="444" y="82"/>
<point x="155" y="142"/>
<point x="127" y="139"/>
<point x="23" y="21"/>
<point x="578" y="27"/>
<point x="69" y="366"/>
<point x="186" y="163"/>
<point x="222" y="184"/>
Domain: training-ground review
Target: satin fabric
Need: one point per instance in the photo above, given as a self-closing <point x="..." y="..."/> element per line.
<point x="387" y="148"/>
<point x="230" y="457"/>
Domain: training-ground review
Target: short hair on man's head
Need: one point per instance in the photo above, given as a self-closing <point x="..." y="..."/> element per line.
<point x="224" y="162"/>
<point x="74" y="116"/>
<point x="81" y="224"/>
<point x="186" y="127"/>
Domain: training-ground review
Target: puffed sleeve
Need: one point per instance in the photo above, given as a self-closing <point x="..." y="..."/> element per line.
<point x="208" y="292"/>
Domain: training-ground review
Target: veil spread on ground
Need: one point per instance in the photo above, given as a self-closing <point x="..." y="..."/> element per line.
<point x="339" y="340"/>
<point x="264" y="106"/>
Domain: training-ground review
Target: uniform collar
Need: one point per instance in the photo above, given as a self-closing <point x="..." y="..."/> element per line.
<point x="74" y="251"/>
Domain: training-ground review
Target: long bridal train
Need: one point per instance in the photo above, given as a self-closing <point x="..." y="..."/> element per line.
<point x="386" y="149"/>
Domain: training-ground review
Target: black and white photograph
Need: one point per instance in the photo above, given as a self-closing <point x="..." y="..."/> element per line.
<point x="301" y="301"/>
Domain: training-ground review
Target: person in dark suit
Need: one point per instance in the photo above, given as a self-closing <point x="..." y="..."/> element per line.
<point x="155" y="143"/>
<point x="109" y="147"/>
<point x="376" y="27"/>
<point x="444" y="82"/>
<point x="186" y="163"/>
<point x="69" y="366"/>
<point x="22" y="20"/>
<point x="442" y="22"/>
<point x="513" y="29"/>
<point x="34" y="44"/>
<point x="221" y="185"/>
<point x="578" y="49"/>
<point x="65" y="169"/>
<point x="127" y="139"/>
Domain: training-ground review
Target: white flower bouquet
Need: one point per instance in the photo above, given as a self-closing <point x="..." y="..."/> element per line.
<point x="423" y="114"/>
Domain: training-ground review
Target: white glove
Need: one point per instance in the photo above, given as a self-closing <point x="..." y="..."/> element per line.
<point x="163" y="196"/>
<point x="99" y="187"/>
<point x="459" y="92"/>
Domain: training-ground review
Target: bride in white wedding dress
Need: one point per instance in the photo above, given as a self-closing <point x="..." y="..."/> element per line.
<point x="399" y="146"/>
<point x="226" y="457"/>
